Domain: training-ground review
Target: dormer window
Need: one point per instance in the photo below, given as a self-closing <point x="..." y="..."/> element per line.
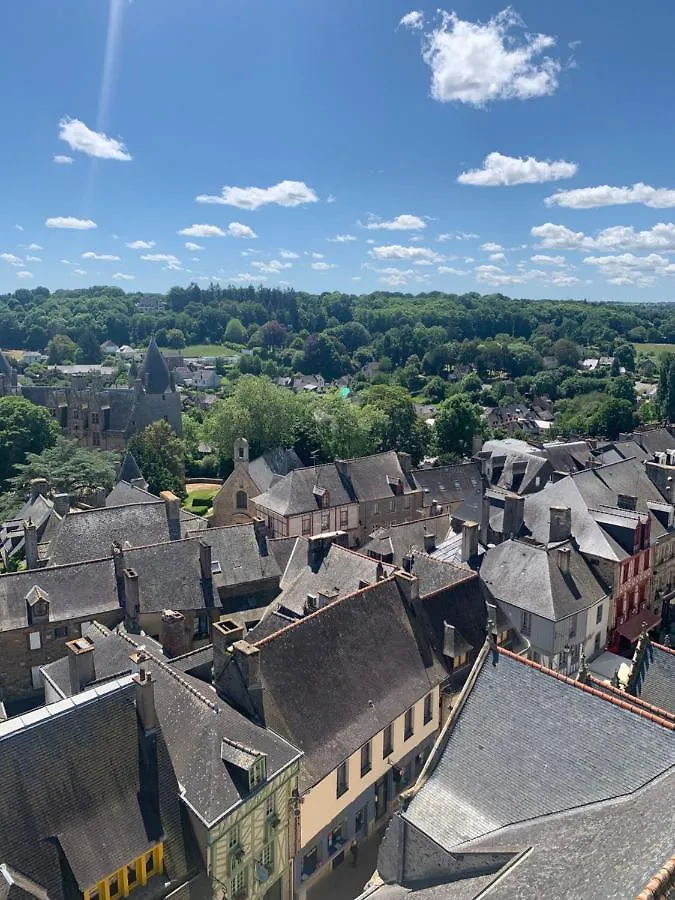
<point x="38" y="605"/>
<point x="258" y="772"/>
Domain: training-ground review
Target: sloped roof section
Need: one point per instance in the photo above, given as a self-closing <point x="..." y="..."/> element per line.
<point x="129" y="470"/>
<point x="154" y="372"/>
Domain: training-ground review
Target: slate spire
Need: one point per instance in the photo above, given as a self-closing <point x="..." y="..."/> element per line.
<point x="154" y="372"/>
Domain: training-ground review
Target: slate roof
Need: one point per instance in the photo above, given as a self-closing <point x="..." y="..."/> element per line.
<point x="397" y="539"/>
<point x="371" y="477"/>
<point x="447" y="484"/>
<point x="293" y="494"/>
<point x="450" y="550"/>
<point x="82" y="796"/>
<point x="129" y="470"/>
<point x="517" y="712"/>
<point x="435" y="575"/>
<point x="462" y="604"/>
<point x="654" y="440"/>
<point x="15" y="886"/>
<point x="265" y="468"/>
<point x="517" y="466"/>
<point x="193" y="723"/>
<point x="352" y="693"/>
<point x="124" y="494"/>
<point x="154" y="372"/>
<point x="528" y="576"/>
<point x="281" y="549"/>
<point x="79" y="591"/>
<point x="570" y="456"/>
<point x="654" y="679"/>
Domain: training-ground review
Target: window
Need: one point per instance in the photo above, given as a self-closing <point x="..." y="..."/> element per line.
<point x="526" y="623"/>
<point x="428" y="708"/>
<point x="94" y="418"/>
<point x="366" y="759"/>
<point x="271" y="806"/>
<point x="376" y="508"/>
<point x="267" y="857"/>
<point x="645" y="564"/>
<point x="310" y="861"/>
<point x="96" y="438"/>
<point x="306" y="524"/>
<point x="131" y="876"/>
<point x="34" y="640"/>
<point x="392" y="506"/>
<point x="61" y="631"/>
<point x="409" y="724"/>
<point x="257" y="772"/>
<point x="336" y="839"/>
<point x="598" y="615"/>
<point x="342" y="779"/>
<point x="233" y="837"/>
<point x="387" y="741"/>
<point x="636" y="565"/>
<point x="114" y="885"/>
<point x="573" y="627"/>
<point x="150" y="863"/>
<point x="325" y="521"/>
<point x="344" y="518"/>
<point x="360" y="820"/>
<point x="242" y="500"/>
<point x="596" y="645"/>
<point x="238" y="883"/>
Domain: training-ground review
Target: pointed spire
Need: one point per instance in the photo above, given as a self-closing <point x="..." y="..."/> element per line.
<point x="129" y="470"/>
<point x="154" y="372"/>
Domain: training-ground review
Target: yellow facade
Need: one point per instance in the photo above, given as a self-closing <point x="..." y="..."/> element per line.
<point x="135" y="873"/>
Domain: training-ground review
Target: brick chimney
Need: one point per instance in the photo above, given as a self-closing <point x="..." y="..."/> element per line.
<point x="81" y="668"/>
<point x="173" y="634"/>
<point x="560" y="524"/>
<point x="224" y="633"/>
<point x="172" y="505"/>
<point x="30" y="543"/>
<point x="469" y="541"/>
<point x="132" y="602"/>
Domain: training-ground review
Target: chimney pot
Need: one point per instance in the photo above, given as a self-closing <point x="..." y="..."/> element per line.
<point x="145" y="700"/>
<point x="173" y="634"/>
<point x="61" y="504"/>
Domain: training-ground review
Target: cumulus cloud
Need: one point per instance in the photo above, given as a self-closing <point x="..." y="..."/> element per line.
<point x="491" y="247"/>
<point x="661" y="237"/>
<point x="11" y="259"/>
<point x="94" y="143"/>
<point x="400" y="223"/>
<point x="161" y="257"/>
<point x="272" y="267"/>
<point x="496" y="276"/>
<point x="329" y="199"/>
<point x="237" y="230"/>
<point x="604" y="195"/>
<point x="141" y="245"/>
<point x="450" y="270"/>
<point x="81" y="272"/>
<point x="285" y="193"/>
<point x="497" y="257"/>
<point x="542" y="259"/>
<point x="192" y="247"/>
<point x="61" y="160"/>
<point x="629" y="269"/>
<point x="288" y="254"/>
<point x="123" y="276"/>
<point x="70" y="222"/>
<point x="506" y="171"/>
<point x="413" y="20"/>
<point x="342" y="238"/>
<point x="323" y="266"/>
<point x="480" y="62"/>
<point x="247" y="277"/>
<point x="315" y="255"/>
<point x="33" y="247"/>
<point x="397" y="251"/>
<point x="202" y="231"/>
<point x="102" y="257"/>
<point x="24" y="274"/>
<point x="36" y="259"/>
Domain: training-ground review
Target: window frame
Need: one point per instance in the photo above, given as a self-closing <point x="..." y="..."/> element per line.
<point x="237" y="500"/>
<point x="388" y="740"/>
<point x="409" y="723"/>
<point x="342" y="784"/>
<point x="366" y="758"/>
<point x="428" y="709"/>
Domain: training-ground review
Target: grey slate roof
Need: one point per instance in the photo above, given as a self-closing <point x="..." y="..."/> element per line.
<point x="293" y="494"/>
<point x="193" y="722"/>
<point x="154" y="372"/>
<point x="129" y="470"/>
<point x="281" y="549"/>
<point x="265" y="468"/>
<point x="371" y="477"/>
<point x="352" y="692"/>
<point x="447" y="484"/>
<point x="527" y="576"/>
<point x="521" y="715"/>
<point x="397" y="539"/>
<point x="654" y="440"/>
<point x="124" y="494"/>
<point x="74" y="591"/>
<point x="654" y="681"/>
<point x="83" y="795"/>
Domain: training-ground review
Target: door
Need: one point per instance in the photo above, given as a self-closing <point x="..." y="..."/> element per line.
<point x="381" y="796"/>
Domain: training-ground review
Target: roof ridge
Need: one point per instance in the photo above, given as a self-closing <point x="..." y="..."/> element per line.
<point x="659" y="884"/>
<point x="662" y="647"/>
<point x="70" y="565"/>
<point x="369" y="587"/>
<point x="617" y="692"/>
<point x="622" y="704"/>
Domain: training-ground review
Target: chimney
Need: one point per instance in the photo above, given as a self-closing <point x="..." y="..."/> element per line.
<point x="514" y="513"/>
<point x="247" y="658"/>
<point x="145" y="699"/>
<point x="469" y="541"/>
<point x="476" y="444"/>
<point x="224" y="633"/>
<point x="260" y="532"/>
<point x="172" y="504"/>
<point x="449" y="639"/>
<point x="327" y="595"/>
<point x="173" y="635"/>
<point x="38" y="486"/>
<point x="132" y="602"/>
<point x="409" y="586"/>
<point x="429" y="542"/>
<point x="205" y="561"/>
<point x="318" y="546"/>
<point x="560" y="524"/>
<point x="118" y="559"/>
<point x="30" y="543"/>
<point x="61" y="504"/>
<point x="408" y="562"/>
<point x="379" y="571"/>
<point x="81" y="667"/>
<point x="564" y="559"/>
<point x="405" y="462"/>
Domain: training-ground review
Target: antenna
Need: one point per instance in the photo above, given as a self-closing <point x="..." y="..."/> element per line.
<point x="314" y="454"/>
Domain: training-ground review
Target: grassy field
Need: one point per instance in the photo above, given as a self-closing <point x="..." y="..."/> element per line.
<point x="200" y="501"/>
<point x="204" y="350"/>
<point x="655" y="351"/>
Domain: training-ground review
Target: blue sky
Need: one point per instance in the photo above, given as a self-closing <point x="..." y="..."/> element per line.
<point x="353" y="145"/>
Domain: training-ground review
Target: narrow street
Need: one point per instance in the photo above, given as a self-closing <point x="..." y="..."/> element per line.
<point x="348" y="881"/>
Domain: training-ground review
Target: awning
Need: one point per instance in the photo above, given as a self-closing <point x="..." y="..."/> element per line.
<point x="632" y="628"/>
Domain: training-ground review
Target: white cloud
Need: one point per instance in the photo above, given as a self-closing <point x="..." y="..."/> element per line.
<point x="604" y="195"/>
<point x="500" y="170"/>
<point x="323" y="266"/>
<point x="356" y="278"/>
<point x="236" y="229"/>
<point x="413" y="20"/>
<point x="173" y="266"/>
<point x="660" y="237"/>
<point x="94" y="143"/>
<point x="405" y="222"/>
<point x="123" y="276"/>
<point x="542" y="259"/>
<point x="628" y="269"/>
<point x="202" y="231"/>
<point x="273" y="266"/>
<point x="66" y="262"/>
<point x="559" y="278"/>
<point x="288" y="254"/>
<point x="192" y="247"/>
<point x="475" y="62"/>
<point x="396" y="251"/>
<point x="316" y="255"/>
<point x="36" y="259"/>
<point x="195" y="258"/>
<point x="449" y="270"/>
<point x="70" y="222"/>
<point x="496" y="276"/>
<point x="33" y="247"/>
<point x="19" y="227"/>
<point x="394" y="280"/>
<point x="497" y="257"/>
<point x="423" y="262"/>
<point x="285" y="193"/>
<point x="81" y="272"/>
<point x="342" y="238"/>
<point x="140" y="245"/>
<point x="102" y="257"/>
<point x="161" y="257"/>
<point x="491" y="247"/>
<point x="62" y="160"/>
<point x="24" y="274"/>
<point x="329" y="199"/>
<point x="11" y="259"/>
<point x="247" y="277"/>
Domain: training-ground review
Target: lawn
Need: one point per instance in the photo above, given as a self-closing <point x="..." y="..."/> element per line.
<point x="204" y="350"/>
<point x="655" y="351"/>
<point x="200" y="501"/>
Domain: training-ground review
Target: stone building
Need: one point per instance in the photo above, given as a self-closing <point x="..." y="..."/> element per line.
<point x="8" y="378"/>
<point x="108" y="417"/>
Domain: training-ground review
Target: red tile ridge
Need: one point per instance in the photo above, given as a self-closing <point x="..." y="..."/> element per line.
<point x="662" y="647"/>
<point x="603" y="695"/>
<point x="637" y="701"/>
<point x="659" y="885"/>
